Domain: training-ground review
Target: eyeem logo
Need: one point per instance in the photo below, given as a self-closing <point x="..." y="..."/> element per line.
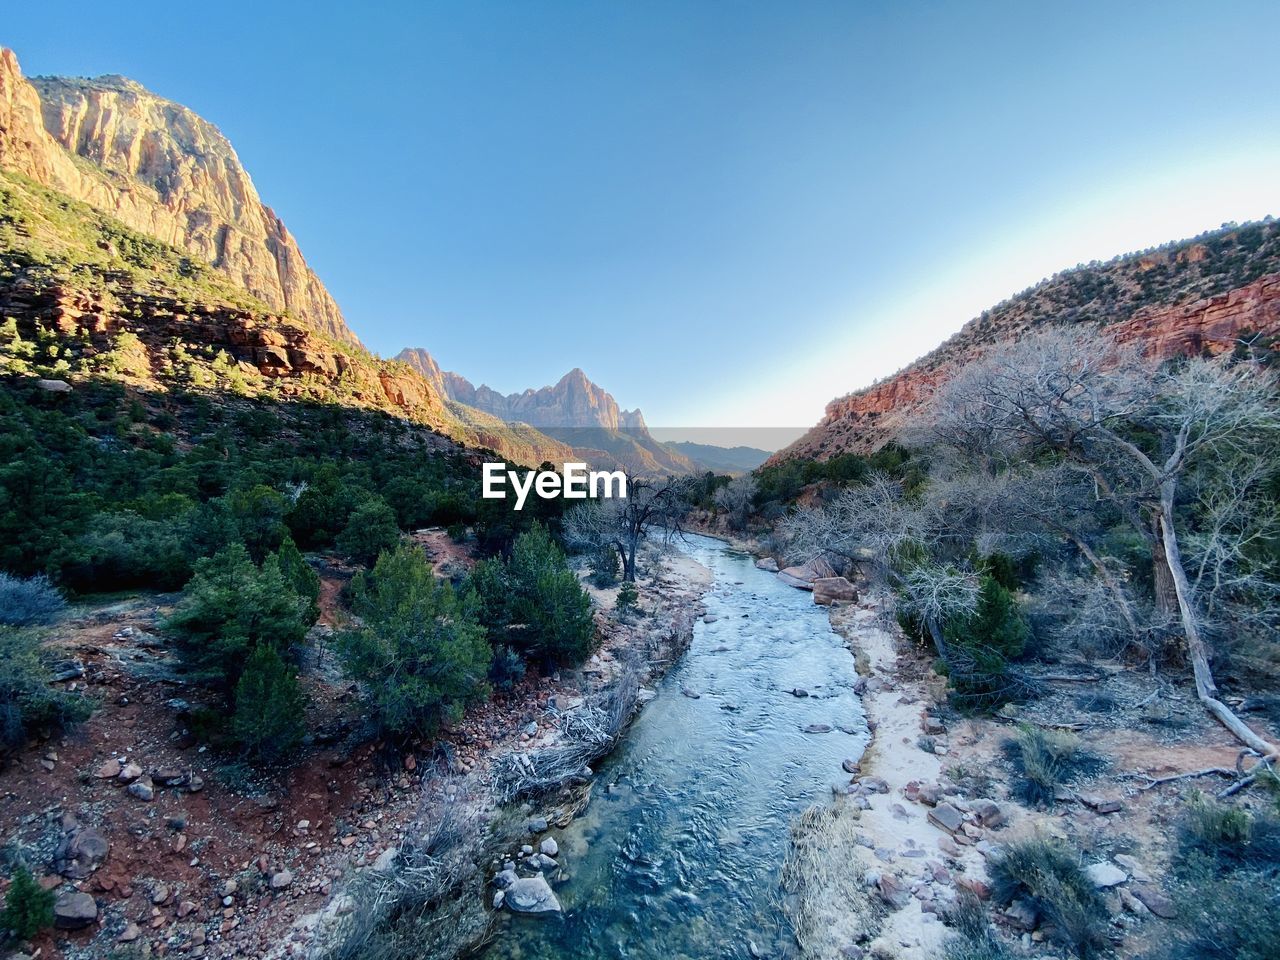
<point x="575" y="484"/>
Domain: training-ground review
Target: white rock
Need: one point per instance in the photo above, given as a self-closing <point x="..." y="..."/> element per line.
<point x="1106" y="875"/>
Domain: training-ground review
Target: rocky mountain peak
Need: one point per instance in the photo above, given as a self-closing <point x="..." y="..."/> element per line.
<point x="574" y="401"/>
<point x="575" y="409"/>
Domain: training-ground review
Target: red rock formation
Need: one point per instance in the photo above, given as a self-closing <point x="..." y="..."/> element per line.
<point x="1212" y="325"/>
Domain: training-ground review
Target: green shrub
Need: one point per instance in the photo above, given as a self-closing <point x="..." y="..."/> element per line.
<point x="628" y="599"/>
<point x="606" y="566"/>
<point x="1046" y="759"/>
<point x="268" y="719"/>
<point x="534" y="600"/>
<point x="1223" y="917"/>
<point x="548" y="599"/>
<point x="124" y="550"/>
<point x="228" y="609"/>
<point x="27" y="702"/>
<point x="997" y="624"/>
<point x="30" y="602"/>
<point x="507" y="669"/>
<point x="419" y="651"/>
<point x="371" y="529"/>
<point x="1228" y="837"/>
<point x="28" y="908"/>
<point x="981" y="646"/>
<point x="257" y="514"/>
<point x="1049" y="876"/>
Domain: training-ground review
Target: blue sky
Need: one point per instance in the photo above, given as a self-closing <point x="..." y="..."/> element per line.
<point x="727" y="213"/>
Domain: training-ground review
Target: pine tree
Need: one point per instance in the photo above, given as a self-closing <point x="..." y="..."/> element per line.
<point x="268" y="717"/>
<point x="28" y="907"/>
<point x="298" y="574"/>
<point x="420" y="652"/>
<point x="228" y="609"/>
<point x="983" y="643"/>
<point x="547" y="598"/>
<point x="371" y="530"/>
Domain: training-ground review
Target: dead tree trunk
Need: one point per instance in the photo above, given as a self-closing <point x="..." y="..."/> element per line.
<point x="1206" y="689"/>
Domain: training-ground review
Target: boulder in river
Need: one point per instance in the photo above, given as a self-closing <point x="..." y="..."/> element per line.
<point x="803" y="575"/>
<point x="768" y="564"/>
<point x="829" y="590"/>
<point x="531" y="895"/>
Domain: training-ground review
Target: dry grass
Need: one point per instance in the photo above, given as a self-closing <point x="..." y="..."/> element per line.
<point x="420" y="905"/>
<point x="829" y="906"/>
<point x="588" y="733"/>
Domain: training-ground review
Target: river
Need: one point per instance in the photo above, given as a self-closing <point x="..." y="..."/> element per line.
<point x="679" y="852"/>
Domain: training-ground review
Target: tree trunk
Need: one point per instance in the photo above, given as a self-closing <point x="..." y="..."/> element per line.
<point x="1166" y="591"/>
<point x="627" y="550"/>
<point x="1206" y="689"/>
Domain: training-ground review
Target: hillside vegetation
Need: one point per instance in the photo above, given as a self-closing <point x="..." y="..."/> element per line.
<point x="85" y="296"/>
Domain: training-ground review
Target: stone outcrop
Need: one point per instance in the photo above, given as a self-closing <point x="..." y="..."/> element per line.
<point x="164" y="171"/>
<point x="163" y="322"/>
<point x="831" y="590"/>
<point x="1183" y="301"/>
<point x="257" y="348"/>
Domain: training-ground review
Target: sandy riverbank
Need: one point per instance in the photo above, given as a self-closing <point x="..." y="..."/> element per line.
<point x="935" y="796"/>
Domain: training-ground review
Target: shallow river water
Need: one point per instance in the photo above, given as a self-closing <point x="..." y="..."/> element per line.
<point x="679" y="852"/>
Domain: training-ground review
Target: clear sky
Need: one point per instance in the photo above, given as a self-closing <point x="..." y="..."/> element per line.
<point x="727" y="213"/>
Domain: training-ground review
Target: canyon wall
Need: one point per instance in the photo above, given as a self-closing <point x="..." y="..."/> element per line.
<point x="164" y="171"/>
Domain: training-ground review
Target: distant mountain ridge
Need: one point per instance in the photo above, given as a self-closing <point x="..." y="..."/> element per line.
<point x="160" y="169"/>
<point x="740" y="459"/>
<point x="574" y="401"/>
<point x="574" y="410"/>
<point x="1184" y="298"/>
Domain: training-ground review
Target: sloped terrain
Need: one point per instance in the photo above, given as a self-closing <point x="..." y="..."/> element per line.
<point x="1181" y="299"/>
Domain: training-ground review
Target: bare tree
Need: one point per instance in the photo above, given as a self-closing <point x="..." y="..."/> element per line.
<point x="876" y="526"/>
<point x="1136" y="431"/>
<point x="626" y="522"/>
<point x="735" y="499"/>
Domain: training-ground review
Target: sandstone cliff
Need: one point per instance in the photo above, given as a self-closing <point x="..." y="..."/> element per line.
<point x="159" y="168"/>
<point x="1194" y="297"/>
